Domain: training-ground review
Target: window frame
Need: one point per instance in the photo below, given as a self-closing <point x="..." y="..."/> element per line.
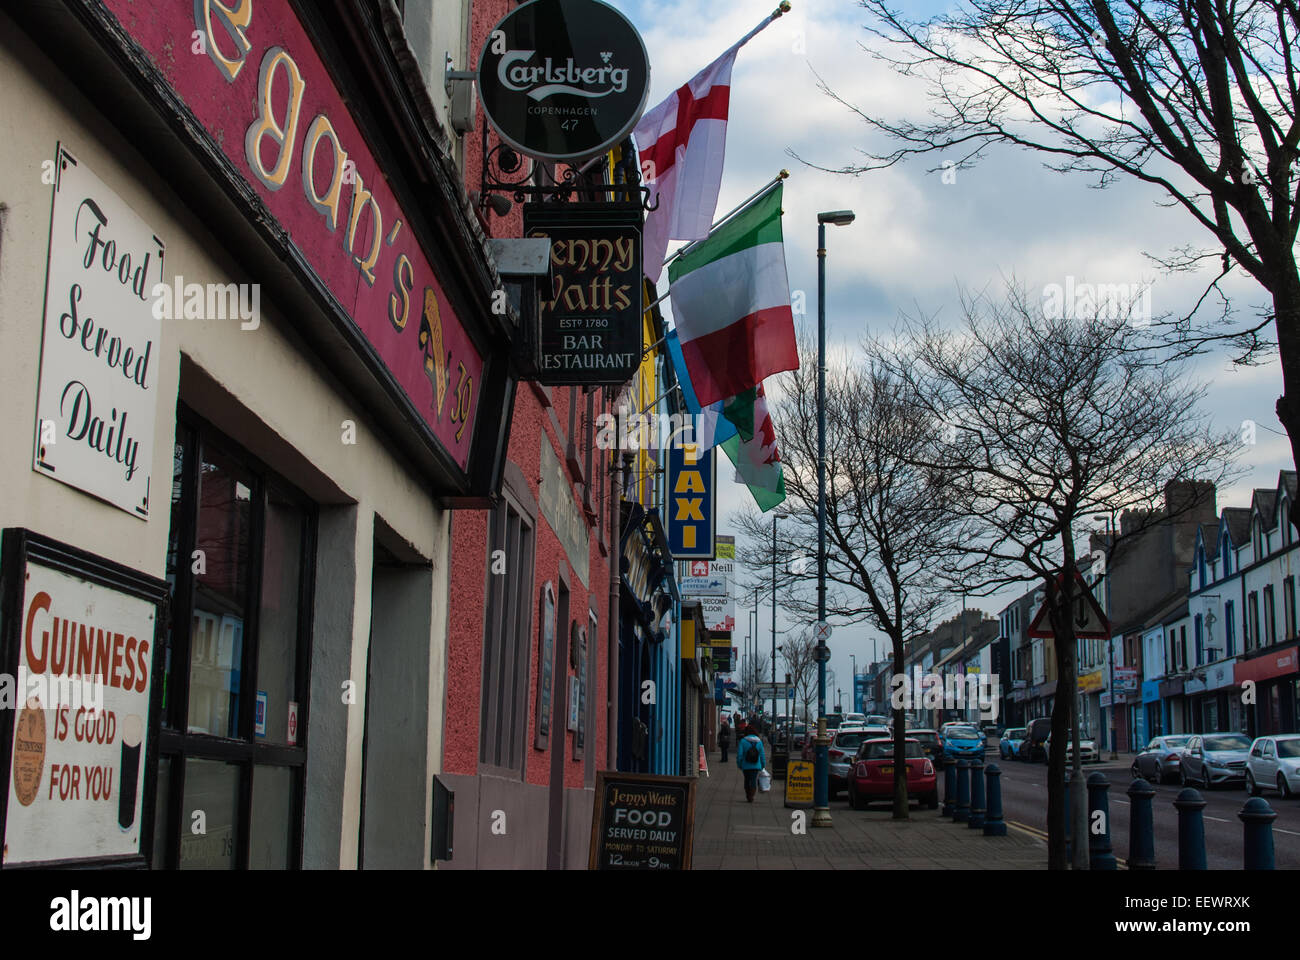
<point x="175" y="742"/>
<point x="515" y="729"/>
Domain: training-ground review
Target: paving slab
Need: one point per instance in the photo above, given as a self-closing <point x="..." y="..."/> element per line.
<point x="733" y="834"/>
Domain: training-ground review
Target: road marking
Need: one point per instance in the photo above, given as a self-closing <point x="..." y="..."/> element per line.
<point x="1032" y="831"/>
<point x="1217" y="819"/>
<point x="1289" y="833"/>
<point x="1118" y="800"/>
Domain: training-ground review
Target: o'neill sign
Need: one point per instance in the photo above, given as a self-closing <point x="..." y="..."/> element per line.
<point x="563" y="79"/>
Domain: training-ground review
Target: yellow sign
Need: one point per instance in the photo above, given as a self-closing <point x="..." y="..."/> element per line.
<point x="688" y="639"/>
<point x="799" y="784"/>
<point x="1092" y="681"/>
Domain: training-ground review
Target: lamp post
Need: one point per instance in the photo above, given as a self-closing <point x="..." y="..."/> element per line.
<point x="857" y="707"/>
<point x="775" y="518"/>
<point x="1110" y="653"/>
<point x="821" y="770"/>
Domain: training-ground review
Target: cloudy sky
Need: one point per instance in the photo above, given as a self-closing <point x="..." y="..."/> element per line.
<point x="917" y="240"/>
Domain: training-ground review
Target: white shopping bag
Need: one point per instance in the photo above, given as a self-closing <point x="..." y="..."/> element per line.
<point x="764" y="781"/>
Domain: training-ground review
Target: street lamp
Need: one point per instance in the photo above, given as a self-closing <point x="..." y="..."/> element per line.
<point x="821" y="794"/>
<point x="854" y="694"/>
<point x="1110" y="653"/>
<point x="775" y="518"/>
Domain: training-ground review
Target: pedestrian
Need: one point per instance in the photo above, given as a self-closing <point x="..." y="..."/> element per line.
<point x="724" y="739"/>
<point x="751" y="758"/>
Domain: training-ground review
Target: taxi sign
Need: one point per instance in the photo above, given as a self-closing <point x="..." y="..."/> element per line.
<point x="692" y="502"/>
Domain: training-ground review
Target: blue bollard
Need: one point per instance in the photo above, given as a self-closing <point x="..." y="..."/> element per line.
<point x="976" y="821"/>
<point x="994" y="825"/>
<point x="949" y="788"/>
<point x="962" y="813"/>
<point x="1258" y="817"/>
<point x="1100" y="856"/>
<point x="1141" y="826"/>
<point x="1191" y="830"/>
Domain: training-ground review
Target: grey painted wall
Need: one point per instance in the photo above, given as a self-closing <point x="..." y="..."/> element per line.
<point x="397" y="719"/>
<point x="331" y="663"/>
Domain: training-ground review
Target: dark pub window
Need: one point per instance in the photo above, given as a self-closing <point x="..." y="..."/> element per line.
<point x="503" y="704"/>
<point x="232" y="753"/>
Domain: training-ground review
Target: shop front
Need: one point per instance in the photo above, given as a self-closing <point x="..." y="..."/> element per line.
<point x="1275" y="676"/>
<point x="226" y="279"/>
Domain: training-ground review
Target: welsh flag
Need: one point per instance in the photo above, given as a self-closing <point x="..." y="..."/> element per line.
<point x="731" y="304"/>
<point x="753" y="449"/>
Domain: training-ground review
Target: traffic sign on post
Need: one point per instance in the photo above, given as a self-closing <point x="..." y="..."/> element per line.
<point x="822" y="631"/>
<point x="1089" y="620"/>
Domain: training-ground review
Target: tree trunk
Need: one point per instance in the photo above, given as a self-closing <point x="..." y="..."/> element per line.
<point x="1058" y="599"/>
<point x="900" y="738"/>
<point x="1286" y="312"/>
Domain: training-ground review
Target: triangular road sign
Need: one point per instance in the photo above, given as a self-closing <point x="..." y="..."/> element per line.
<point x="1089" y="620"/>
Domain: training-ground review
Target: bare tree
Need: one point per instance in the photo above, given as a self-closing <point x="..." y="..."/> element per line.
<point x="799" y="663"/>
<point x="1050" y="422"/>
<point x="1198" y="98"/>
<point x="755" y="669"/>
<point x="886" y="522"/>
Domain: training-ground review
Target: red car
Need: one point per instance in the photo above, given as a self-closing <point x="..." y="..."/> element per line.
<point x="871" y="775"/>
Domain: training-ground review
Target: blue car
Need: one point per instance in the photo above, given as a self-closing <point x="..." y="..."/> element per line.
<point x="962" y="742"/>
<point x="1009" y="742"/>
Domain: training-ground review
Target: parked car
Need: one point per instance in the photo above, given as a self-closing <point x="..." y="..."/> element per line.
<point x="1009" y="742"/>
<point x="872" y="774"/>
<point x="879" y="720"/>
<point x="1212" y="758"/>
<point x="1036" y="733"/>
<point x="1161" y="759"/>
<point x="961" y="741"/>
<point x="1274" y="761"/>
<point x="843" y="748"/>
<point x="799" y="735"/>
<point x="929" y="741"/>
<point x="859" y="719"/>
<point x="1087" y="749"/>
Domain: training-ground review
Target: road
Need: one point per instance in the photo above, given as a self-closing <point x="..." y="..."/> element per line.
<point x="1024" y="803"/>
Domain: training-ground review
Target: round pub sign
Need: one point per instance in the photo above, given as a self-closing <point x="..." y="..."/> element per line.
<point x="563" y="79"/>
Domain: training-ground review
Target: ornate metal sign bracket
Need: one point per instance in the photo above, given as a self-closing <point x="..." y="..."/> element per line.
<point x="507" y="172"/>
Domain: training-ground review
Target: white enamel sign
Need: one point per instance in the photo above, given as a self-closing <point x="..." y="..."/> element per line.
<point x="76" y="789"/>
<point x="97" y="398"/>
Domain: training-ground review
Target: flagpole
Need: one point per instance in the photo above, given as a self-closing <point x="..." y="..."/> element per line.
<point x="762" y="191"/>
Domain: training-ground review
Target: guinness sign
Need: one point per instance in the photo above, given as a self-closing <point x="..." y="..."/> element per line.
<point x="563" y="79"/>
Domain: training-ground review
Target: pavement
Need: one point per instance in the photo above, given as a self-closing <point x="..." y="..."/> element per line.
<point x="731" y="834"/>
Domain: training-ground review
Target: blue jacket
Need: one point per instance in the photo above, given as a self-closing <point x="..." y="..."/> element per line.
<point x="742" y="747"/>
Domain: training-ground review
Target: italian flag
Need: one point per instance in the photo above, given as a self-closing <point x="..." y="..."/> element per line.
<point x="731" y="304"/>
<point x="753" y="449"/>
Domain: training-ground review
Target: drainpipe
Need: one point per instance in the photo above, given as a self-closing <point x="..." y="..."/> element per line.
<point x="615" y="580"/>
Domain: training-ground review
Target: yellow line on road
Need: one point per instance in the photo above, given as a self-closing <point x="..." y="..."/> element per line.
<point x="1041" y="835"/>
<point x="1025" y="828"/>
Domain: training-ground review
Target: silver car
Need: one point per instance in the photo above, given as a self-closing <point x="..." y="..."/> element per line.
<point x="843" y="748"/>
<point x="1162" y="758"/>
<point x="1274" y="762"/>
<point x="1211" y="758"/>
